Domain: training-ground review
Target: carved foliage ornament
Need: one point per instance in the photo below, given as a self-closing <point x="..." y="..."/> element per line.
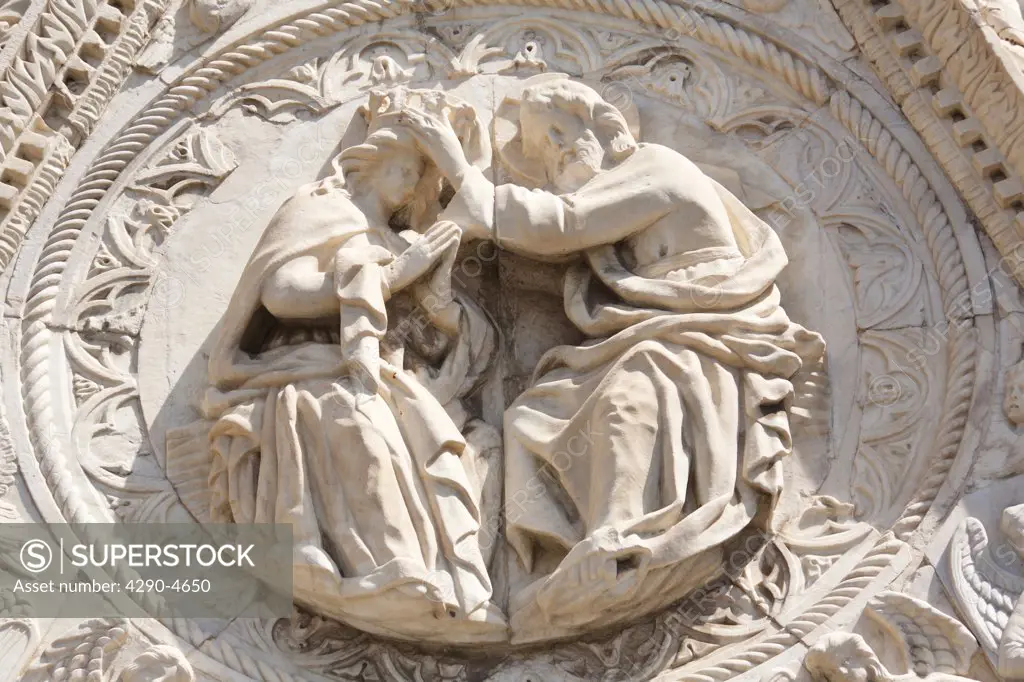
<point x="720" y="79"/>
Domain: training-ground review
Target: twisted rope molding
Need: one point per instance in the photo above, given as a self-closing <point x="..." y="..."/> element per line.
<point x="37" y="337"/>
<point x="913" y="84"/>
<point x="956" y="406"/>
<point x="756" y="50"/>
<point x="919" y="194"/>
<point x="193" y="86"/>
<point x="952" y="274"/>
<point x="867" y="569"/>
<point x="105" y="171"/>
<point x="82" y="118"/>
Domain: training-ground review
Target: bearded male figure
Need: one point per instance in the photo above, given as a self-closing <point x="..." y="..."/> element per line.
<point x="633" y="458"/>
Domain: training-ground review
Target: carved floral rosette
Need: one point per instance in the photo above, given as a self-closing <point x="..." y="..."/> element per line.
<point x="883" y="261"/>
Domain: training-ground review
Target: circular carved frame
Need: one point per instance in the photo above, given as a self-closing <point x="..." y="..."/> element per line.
<point x="69" y="268"/>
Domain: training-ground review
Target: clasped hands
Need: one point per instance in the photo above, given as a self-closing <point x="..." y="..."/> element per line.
<point x="426" y="253"/>
<point x="426" y="267"/>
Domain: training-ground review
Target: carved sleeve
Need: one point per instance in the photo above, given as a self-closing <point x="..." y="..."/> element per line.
<point x="540" y="223"/>
<point x="545" y="224"/>
<point x="359" y="280"/>
<point x="472" y="207"/>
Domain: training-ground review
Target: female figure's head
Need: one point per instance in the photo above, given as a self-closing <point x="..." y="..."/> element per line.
<point x="389" y="168"/>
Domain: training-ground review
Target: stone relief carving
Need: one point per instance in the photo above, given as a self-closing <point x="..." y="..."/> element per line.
<point x="159" y="663"/>
<point x="1013" y="402"/>
<point x="311" y="309"/>
<point x="846" y="657"/>
<point x="963" y="103"/>
<point x="83" y="654"/>
<point x="1005" y="17"/>
<point x="189" y="24"/>
<point x="19" y="633"/>
<point x="987" y="581"/>
<point x="929" y="645"/>
<point x="987" y="593"/>
<point x="316" y="86"/>
<point x="898" y="272"/>
<point x="108" y="649"/>
<point x="69" y="65"/>
<point x="676" y="287"/>
<point x="108" y="319"/>
<point x="10" y="15"/>
<point x="826" y="28"/>
<point x="680" y="300"/>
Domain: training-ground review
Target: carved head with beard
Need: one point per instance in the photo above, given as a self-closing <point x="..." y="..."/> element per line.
<point x="573" y="131"/>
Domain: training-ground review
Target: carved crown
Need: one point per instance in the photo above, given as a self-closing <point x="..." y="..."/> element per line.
<point x="384" y="105"/>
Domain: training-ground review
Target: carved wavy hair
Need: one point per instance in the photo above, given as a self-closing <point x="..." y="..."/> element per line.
<point x="583" y="101"/>
<point x="356" y="165"/>
<point x="842" y="648"/>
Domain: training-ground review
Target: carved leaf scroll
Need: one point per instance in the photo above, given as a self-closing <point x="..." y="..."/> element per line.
<point x="108" y="315"/>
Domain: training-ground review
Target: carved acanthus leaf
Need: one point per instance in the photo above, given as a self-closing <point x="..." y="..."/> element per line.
<point x="108" y="317"/>
<point x="316" y="86"/>
<point x="895" y="394"/>
<point x="534" y="44"/>
<point x="887" y="275"/>
<point x="195" y="160"/>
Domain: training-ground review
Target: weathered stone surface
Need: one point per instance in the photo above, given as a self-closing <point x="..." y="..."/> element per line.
<point x="576" y="341"/>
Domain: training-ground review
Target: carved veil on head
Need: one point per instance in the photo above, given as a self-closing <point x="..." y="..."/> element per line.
<point x="310" y="221"/>
<point x="383" y="133"/>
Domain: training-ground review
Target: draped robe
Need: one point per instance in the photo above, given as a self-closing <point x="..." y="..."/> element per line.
<point x="666" y="431"/>
<point x="385" y="519"/>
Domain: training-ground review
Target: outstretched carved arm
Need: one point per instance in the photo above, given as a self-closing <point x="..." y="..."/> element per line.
<point x="538" y="223"/>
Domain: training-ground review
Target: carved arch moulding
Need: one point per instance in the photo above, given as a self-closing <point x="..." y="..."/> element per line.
<point x="525" y="264"/>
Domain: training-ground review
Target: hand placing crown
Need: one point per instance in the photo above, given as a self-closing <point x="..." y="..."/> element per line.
<point x="383" y="116"/>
